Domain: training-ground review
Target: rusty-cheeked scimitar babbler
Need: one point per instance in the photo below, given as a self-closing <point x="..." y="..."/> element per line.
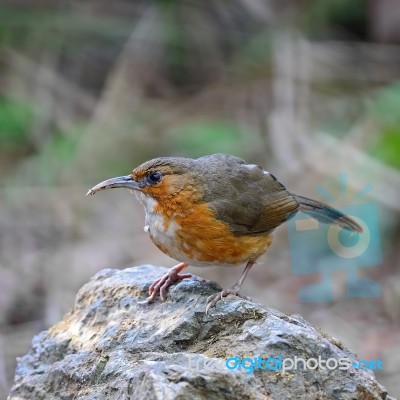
<point x="214" y="210"/>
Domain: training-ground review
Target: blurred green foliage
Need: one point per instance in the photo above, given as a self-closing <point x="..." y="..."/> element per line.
<point x="385" y="108"/>
<point x="185" y="58"/>
<point x="15" y="123"/>
<point x="338" y="117"/>
<point x="206" y="136"/>
<point x="22" y="21"/>
<point x="325" y="16"/>
<point x="255" y="57"/>
<point x="175" y="37"/>
<point x="385" y="111"/>
<point x="57" y="155"/>
<point x="387" y="149"/>
<point x="48" y="166"/>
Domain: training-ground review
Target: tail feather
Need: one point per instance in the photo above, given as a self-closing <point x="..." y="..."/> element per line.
<point x="325" y="213"/>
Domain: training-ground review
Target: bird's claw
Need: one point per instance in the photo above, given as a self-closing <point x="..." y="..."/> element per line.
<point x="161" y="285"/>
<point x="215" y="298"/>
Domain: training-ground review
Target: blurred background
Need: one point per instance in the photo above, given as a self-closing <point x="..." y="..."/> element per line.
<point x="90" y="89"/>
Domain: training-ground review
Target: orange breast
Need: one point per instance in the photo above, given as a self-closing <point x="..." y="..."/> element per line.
<point x="186" y="229"/>
<point x="202" y="238"/>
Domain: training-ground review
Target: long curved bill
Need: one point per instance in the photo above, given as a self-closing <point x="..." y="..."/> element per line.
<point x="118" y="182"/>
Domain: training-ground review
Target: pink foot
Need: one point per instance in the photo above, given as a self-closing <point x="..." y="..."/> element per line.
<point x="215" y="298"/>
<point x="160" y="285"/>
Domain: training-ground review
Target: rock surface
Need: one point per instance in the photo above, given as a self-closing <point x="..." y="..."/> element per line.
<point x="110" y="347"/>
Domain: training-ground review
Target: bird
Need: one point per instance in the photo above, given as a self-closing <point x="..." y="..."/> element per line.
<point x="214" y="210"/>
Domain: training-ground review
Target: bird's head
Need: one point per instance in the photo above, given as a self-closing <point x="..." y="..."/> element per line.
<point x="162" y="179"/>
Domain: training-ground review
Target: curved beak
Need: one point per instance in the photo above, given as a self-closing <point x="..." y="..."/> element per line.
<point x="118" y="182"/>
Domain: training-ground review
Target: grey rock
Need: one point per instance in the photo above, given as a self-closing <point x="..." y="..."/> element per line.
<point x="110" y="347"/>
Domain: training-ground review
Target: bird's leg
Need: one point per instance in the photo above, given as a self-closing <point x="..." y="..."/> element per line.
<point x="235" y="289"/>
<point x="160" y="285"/>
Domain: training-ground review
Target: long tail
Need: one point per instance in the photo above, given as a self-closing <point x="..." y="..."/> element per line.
<point x="325" y="213"/>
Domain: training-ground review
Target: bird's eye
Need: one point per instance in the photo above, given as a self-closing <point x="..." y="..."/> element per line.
<point x="155" y="177"/>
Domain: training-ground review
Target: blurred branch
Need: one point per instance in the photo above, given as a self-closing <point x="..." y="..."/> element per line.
<point x="25" y="71"/>
<point x="329" y="156"/>
<point x="3" y="368"/>
<point x="330" y="60"/>
<point x="384" y="18"/>
<point x="58" y="103"/>
<point x="298" y="64"/>
<point x="283" y="123"/>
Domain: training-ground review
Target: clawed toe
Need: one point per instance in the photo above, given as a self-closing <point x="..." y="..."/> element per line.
<point x="148" y="300"/>
<point x="161" y="285"/>
<point x="215" y="298"/>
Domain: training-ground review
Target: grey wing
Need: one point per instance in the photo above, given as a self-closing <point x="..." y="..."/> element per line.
<point x="253" y="201"/>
